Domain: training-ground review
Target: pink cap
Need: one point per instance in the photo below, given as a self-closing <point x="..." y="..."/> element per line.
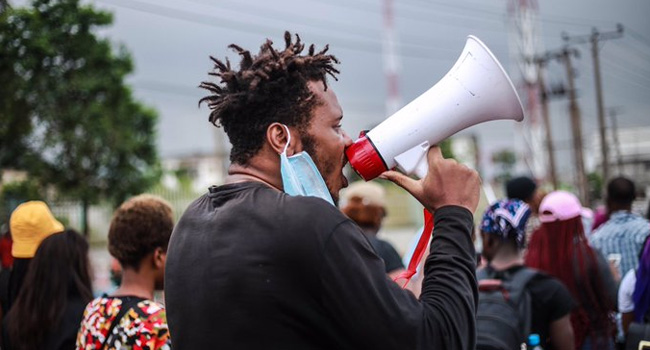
<point x="560" y="206"/>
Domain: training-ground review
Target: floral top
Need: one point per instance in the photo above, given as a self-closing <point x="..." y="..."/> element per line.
<point x="144" y="326"/>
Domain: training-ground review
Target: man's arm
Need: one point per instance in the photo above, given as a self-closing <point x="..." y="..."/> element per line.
<point x="374" y="312"/>
<point x="377" y="313"/>
<point x="561" y="333"/>
<point x="449" y="290"/>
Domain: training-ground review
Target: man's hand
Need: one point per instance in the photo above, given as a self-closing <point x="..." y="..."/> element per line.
<point x="446" y="183"/>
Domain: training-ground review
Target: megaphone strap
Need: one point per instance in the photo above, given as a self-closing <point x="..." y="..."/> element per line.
<point x="419" y="250"/>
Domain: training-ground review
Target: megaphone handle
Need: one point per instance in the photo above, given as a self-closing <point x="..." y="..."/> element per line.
<point x="422" y="167"/>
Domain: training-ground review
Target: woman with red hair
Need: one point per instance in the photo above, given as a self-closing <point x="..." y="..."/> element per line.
<point x="559" y="248"/>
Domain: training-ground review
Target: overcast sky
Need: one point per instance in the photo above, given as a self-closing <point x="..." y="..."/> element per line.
<point x="170" y="41"/>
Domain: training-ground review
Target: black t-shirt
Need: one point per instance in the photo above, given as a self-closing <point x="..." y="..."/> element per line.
<point x="61" y="335"/>
<point x="551" y="300"/>
<point x="249" y="267"/>
<point x="387" y="253"/>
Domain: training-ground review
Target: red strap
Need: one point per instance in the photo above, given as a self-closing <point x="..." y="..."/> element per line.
<point x="419" y="249"/>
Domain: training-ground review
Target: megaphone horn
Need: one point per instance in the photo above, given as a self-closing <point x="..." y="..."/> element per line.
<point x="475" y="90"/>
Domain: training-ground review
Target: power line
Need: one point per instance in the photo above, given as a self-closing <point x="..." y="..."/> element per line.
<point x="564" y="20"/>
<point x="638" y="52"/>
<point x="369" y="45"/>
<point x="628" y="79"/>
<point x="628" y="66"/>
<point x="266" y="12"/>
<point x="319" y="23"/>
<point x="421" y="17"/>
<point x="634" y="34"/>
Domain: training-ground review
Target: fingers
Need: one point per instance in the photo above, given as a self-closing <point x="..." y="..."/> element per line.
<point x="401" y="180"/>
<point x="434" y="155"/>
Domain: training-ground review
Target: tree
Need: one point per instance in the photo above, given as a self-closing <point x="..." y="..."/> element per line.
<point x="73" y="124"/>
<point x="16" y="192"/>
<point x="505" y="161"/>
<point x="595" y="185"/>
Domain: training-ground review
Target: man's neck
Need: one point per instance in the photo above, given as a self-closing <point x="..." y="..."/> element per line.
<point x="506" y="259"/>
<point x="259" y="170"/>
<point x="612" y="208"/>
<point x="140" y="284"/>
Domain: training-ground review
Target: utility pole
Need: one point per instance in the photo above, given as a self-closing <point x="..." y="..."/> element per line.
<point x="541" y="64"/>
<point x="594" y="38"/>
<point x="613" y="112"/>
<point x="576" y="127"/>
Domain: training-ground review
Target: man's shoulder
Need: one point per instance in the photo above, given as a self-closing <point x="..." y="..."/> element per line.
<point x="619" y="223"/>
<point x="311" y="211"/>
<point x="246" y="204"/>
<point x="550" y="291"/>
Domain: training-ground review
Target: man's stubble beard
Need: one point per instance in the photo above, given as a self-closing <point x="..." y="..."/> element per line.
<point x="310" y="145"/>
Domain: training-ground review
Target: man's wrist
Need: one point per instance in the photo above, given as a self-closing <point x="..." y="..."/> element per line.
<point x="456" y="209"/>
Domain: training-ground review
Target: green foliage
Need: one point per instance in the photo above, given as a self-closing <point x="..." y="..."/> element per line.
<point x="15" y="193"/>
<point x="505" y="161"/>
<point x="445" y="147"/>
<point x="595" y="186"/>
<point x="69" y="120"/>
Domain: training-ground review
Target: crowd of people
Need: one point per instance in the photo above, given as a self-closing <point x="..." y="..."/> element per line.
<point x="268" y="260"/>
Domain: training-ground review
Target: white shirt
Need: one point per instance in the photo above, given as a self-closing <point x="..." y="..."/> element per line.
<point x="625" y="291"/>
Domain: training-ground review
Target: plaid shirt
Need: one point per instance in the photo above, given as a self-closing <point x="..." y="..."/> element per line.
<point x="624" y="233"/>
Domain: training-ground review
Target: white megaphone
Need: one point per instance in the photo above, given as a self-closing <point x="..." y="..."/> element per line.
<point x="475" y="90"/>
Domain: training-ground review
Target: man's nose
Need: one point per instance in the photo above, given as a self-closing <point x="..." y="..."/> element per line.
<point x="346" y="138"/>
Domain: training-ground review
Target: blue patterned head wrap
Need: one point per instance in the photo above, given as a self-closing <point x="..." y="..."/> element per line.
<point x="507" y="218"/>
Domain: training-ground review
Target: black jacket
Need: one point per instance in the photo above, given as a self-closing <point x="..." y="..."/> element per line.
<point x="249" y="267"/>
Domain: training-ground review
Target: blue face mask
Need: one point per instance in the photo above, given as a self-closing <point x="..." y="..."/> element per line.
<point x="300" y="176"/>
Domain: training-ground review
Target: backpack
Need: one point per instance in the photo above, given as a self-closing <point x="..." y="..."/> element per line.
<point x="638" y="334"/>
<point x="503" y="317"/>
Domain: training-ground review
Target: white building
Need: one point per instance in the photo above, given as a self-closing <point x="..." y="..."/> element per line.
<point x="629" y="155"/>
<point x="203" y="170"/>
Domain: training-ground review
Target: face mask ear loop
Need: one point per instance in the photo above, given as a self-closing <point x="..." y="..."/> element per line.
<point x="288" y="139"/>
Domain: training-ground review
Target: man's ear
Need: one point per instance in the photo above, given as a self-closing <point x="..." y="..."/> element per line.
<point x="159" y="258"/>
<point x="277" y="138"/>
<point x="487" y="240"/>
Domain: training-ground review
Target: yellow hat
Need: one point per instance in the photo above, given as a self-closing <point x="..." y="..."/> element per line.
<point x="30" y="223"/>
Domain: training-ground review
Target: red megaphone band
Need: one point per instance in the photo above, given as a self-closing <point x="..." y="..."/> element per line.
<point x="365" y="159"/>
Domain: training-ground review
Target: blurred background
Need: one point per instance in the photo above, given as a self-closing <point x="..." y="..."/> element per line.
<point x="99" y="98"/>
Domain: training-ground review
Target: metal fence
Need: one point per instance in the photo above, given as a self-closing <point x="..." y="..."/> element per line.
<point x="70" y="213"/>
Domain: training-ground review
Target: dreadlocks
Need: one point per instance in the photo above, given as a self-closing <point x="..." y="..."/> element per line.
<point x="269" y="87"/>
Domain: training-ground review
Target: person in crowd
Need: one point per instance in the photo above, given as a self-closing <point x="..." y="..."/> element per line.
<point x="30" y="223"/>
<point x="525" y="189"/>
<point x="634" y="292"/>
<point x="503" y="234"/>
<point x="138" y="237"/>
<point x="6" y="259"/>
<point x="365" y="204"/>
<point x="49" y="306"/>
<point x="625" y="232"/>
<point x="560" y="248"/>
<point x="256" y="264"/>
<point x="600" y="217"/>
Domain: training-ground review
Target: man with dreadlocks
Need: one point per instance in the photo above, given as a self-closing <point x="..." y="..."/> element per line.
<point x="267" y="261"/>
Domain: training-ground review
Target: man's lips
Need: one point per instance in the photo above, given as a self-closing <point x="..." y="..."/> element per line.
<point x="345" y="179"/>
